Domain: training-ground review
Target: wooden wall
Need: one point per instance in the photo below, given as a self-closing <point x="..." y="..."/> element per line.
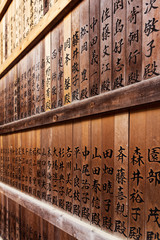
<point x="79" y="119"/>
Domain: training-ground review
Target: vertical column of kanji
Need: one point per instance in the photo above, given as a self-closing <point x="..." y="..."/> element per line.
<point x="1" y="214"/>
<point x="106" y="35"/>
<point x="24" y="18"/>
<point x="119" y="45"/>
<point x="61" y="166"/>
<point x="77" y="135"/>
<point x="7" y="158"/>
<point x="9" y="31"/>
<point x="42" y="75"/>
<point x="37" y="79"/>
<point x="23" y="159"/>
<point x="4" y="160"/>
<point x="6" y="217"/>
<point x="47" y="73"/>
<point x="30" y="162"/>
<point x="43" y="164"/>
<point x="85" y="154"/>
<point x="69" y="168"/>
<point x="5" y="99"/>
<point x="38" y="174"/>
<point x="94" y="45"/>
<point x="27" y="18"/>
<point x="0" y="42"/>
<point x="107" y="168"/>
<point x="40" y="8"/>
<point x="55" y="177"/>
<point x="16" y="23"/>
<point x="29" y="84"/>
<point x="152" y="204"/>
<point x="96" y="160"/>
<point x="34" y="163"/>
<point x="12" y="94"/>
<point x="45" y="6"/>
<point x="21" y="79"/>
<point x="25" y="89"/>
<point x="31" y="14"/>
<point x="3" y="23"/>
<point x="134" y="42"/>
<point x="6" y="35"/>
<point x="49" y="165"/>
<point x="84" y="49"/>
<point x="18" y="91"/>
<point x="121" y="174"/>
<point x="75" y="55"/>
<point x="137" y="175"/>
<point x="33" y="82"/>
<point x="67" y="59"/>
<point x="1" y="100"/>
<point x="54" y="66"/>
<point x="11" y="26"/>
<point x="35" y="13"/>
<point x="60" y="84"/>
<point x="151" y="60"/>
<point x="12" y="160"/>
<point x="20" y="19"/>
<point x="1" y="160"/>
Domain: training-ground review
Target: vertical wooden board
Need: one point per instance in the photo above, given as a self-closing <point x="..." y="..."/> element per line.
<point x="137" y="175"/>
<point x="119" y="43"/>
<point x="106" y="38"/>
<point x="75" y="53"/>
<point x="67" y="59"/>
<point x="18" y="91"/>
<point x="44" y="141"/>
<point x="12" y="94"/>
<point x="42" y="75"/>
<point x="2" y="219"/>
<point x="1" y="159"/>
<point x="51" y="230"/>
<point x="29" y="84"/>
<point x="12" y="219"/>
<point x="27" y="19"/>
<point x="54" y="66"/>
<point x="37" y="79"/>
<point x="47" y="73"/>
<point x="38" y="175"/>
<point x="18" y="225"/>
<point x="24" y="16"/>
<point x="21" y="76"/>
<point x="152" y="204"/>
<point x="5" y="100"/>
<point x="33" y="82"/>
<point x="20" y="18"/>
<point x="35" y="12"/>
<point x="86" y="167"/>
<point x="134" y="42"/>
<point x="60" y="85"/>
<point x="150" y="60"/>
<point x="13" y="158"/>
<point x="31" y="14"/>
<point x="96" y="173"/>
<point x="121" y="128"/>
<point x="33" y="167"/>
<point x="107" y="177"/>
<point x="61" y="166"/>
<point x="3" y="23"/>
<point x="77" y="198"/>
<point x="1" y="214"/>
<point x="30" y="160"/>
<point x="69" y="167"/>
<point x="6" y="219"/>
<point x="49" y="165"/>
<point x="84" y="49"/>
<point x="23" y="159"/>
<point x="6" y="34"/>
<point x="94" y="52"/>
<point x="55" y="164"/>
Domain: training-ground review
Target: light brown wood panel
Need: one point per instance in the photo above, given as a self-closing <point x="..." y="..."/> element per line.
<point x="137" y="174"/>
<point x="121" y="175"/>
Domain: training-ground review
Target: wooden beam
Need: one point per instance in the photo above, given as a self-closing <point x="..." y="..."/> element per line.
<point x="3" y="7"/>
<point x="69" y="224"/>
<point x="52" y="17"/>
<point x="137" y="94"/>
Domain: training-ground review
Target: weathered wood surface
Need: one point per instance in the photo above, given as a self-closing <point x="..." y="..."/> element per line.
<point x="50" y="19"/>
<point x="135" y="95"/>
<point x="3" y="7"/>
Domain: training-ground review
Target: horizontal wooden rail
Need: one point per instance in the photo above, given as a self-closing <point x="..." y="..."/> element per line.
<point x="67" y="223"/>
<point x="52" y="17"/>
<point x="3" y="7"/>
<point x="137" y="94"/>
